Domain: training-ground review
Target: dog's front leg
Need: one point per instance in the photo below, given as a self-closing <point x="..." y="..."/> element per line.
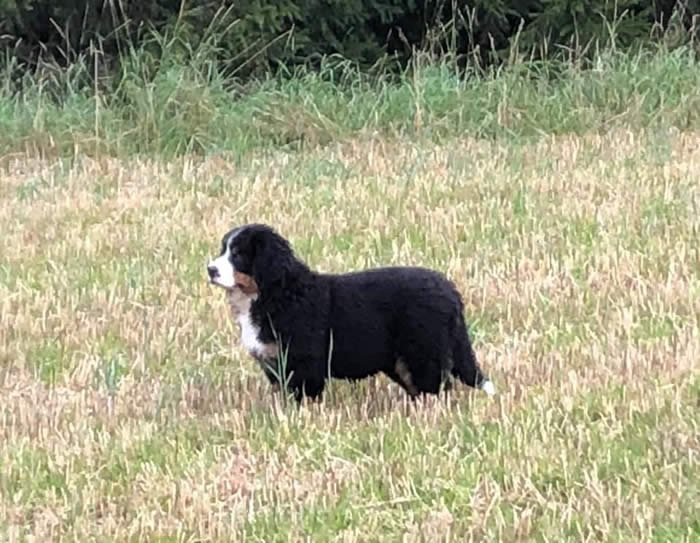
<point x="272" y="378"/>
<point x="306" y="385"/>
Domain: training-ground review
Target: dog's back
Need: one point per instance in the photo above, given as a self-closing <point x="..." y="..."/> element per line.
<point x="380" y="315"/>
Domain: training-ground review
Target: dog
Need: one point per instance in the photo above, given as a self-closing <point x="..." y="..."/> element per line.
<point x="406" y="322"/>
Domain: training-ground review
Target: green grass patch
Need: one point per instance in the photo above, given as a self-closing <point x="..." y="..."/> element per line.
<point x="184" y="108"/>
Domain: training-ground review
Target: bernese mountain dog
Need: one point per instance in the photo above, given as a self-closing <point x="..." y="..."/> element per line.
<point x="406" y="322"/>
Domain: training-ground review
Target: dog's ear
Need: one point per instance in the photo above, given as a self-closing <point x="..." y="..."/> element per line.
<point x="272" y="261"/>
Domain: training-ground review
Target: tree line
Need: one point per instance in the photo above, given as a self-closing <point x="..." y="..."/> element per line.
<point x="253" y="37"/>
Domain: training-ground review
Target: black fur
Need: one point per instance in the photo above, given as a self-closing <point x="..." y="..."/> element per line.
<point x="377" y="317"/>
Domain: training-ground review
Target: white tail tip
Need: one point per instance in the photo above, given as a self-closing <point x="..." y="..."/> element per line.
<point x="487" y="386"/>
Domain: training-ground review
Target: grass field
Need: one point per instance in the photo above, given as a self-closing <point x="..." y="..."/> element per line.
<point x="128" y="411"/>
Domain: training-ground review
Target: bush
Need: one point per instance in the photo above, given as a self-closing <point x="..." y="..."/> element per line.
<point x="253" y="37"/>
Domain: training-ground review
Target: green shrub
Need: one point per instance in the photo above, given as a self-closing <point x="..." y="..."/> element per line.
<point x="255" y="37"/>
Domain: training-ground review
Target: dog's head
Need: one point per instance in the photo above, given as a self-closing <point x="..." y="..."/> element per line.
<point x="253" y="258"/>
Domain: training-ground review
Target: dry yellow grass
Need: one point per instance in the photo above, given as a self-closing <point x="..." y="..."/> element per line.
<point x="128" y="410"/>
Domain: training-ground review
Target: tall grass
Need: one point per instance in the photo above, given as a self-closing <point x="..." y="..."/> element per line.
<point x="171" y="99"/>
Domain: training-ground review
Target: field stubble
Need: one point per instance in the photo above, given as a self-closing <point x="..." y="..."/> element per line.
<point x="128" y="410"/>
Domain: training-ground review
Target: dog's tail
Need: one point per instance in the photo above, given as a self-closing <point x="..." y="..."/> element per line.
<point x="465" y="367"/>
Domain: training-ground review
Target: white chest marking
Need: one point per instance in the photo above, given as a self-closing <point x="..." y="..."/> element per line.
<point x="240" y="306"/>
<point x="249" y="335"/>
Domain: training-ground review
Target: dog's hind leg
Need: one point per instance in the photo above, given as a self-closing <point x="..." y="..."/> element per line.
<point x="401" y="374"/>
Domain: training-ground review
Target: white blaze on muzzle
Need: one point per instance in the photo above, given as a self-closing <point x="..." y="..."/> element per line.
<point x="221" y="270"/>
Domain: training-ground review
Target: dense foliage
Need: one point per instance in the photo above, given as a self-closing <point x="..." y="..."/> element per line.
<point x="255" y="36"/>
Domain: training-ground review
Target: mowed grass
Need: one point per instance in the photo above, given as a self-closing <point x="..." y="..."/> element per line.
<point x="128" y="411"/>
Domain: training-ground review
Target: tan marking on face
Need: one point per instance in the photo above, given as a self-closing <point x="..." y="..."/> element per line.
<point x="404" y="375"/>
<point x="246" y="283"/>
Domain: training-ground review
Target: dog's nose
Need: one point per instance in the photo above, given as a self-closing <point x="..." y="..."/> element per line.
<point x="213" y="271"/>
